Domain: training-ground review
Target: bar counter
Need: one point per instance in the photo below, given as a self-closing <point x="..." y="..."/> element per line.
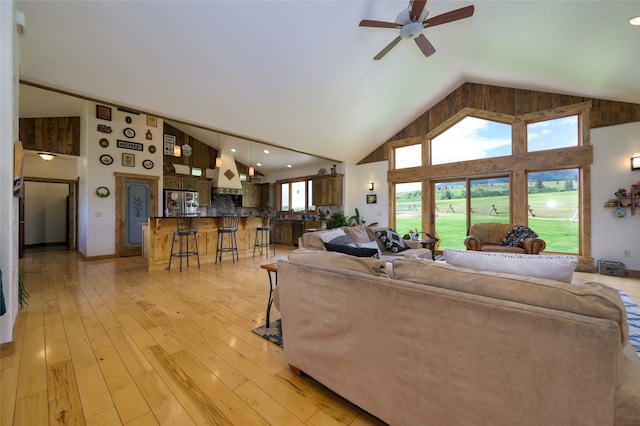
<point x="158" y="232"/>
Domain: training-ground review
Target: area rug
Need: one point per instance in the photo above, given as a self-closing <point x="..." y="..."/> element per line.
<point x="633" y="319"/>
<point x="273" y="333"/>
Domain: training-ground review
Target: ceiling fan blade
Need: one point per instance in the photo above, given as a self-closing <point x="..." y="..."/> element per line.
<point x="378" y="24"/>
<point x="425" y="45"/>
<point x="416" y="9"/>
<point x="454" y="15"/>
<point x="387" y="48"/>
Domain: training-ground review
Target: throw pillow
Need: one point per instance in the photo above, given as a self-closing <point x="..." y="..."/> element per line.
<point x="353" y="251"/>
<point x="391" y="240"/>
<point x="371" y="245"/>
<point x="336" y="236"/>
<point x="516" y="236"/>
<point x="559" y="268"/>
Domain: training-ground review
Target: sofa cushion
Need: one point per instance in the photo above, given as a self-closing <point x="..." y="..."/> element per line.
<point x="358" y="234"/>
<point x="353" y="251"/>
<point x="312" y="240"/>
<point x="391" y="240"/>
<point x="559" y="268"/>
<point x="365" y="265"/>
<point x="336" y="236"/>
<point x="516" y="236"/>
<point x="370" y="245"/>
<point x="589" y="298"/>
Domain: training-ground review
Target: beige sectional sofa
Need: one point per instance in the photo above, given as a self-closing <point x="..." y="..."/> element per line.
<point x="428" y="343"/>
<point x="363" y="236"/>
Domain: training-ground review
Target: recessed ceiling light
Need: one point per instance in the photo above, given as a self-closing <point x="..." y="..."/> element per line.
<point x="233" y="150"/>
<point x="289" y="165"/>
<point x="266" y="151"/>
<point x="259" y="164"/>
<point x="635" y="20"/>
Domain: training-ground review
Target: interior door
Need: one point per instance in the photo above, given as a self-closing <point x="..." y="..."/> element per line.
<point x="137" y="200"/>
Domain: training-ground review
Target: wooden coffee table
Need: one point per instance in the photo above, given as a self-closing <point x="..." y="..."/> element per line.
<point x="270" y="267"/>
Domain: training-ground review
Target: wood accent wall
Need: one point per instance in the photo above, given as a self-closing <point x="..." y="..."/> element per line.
<point x="504" y="100"/>
<point x="59" y="135"/>
<point x="202" y="156"/>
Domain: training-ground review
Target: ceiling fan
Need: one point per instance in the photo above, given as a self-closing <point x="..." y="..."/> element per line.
<point x="412" y="21"/>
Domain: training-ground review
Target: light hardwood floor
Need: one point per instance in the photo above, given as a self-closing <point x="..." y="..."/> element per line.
<point x="105" y="342"/>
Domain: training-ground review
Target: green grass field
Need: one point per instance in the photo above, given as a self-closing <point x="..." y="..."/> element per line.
<point x="553" y="215"/>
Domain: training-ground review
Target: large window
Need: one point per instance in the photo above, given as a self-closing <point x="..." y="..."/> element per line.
<point x="553" y="206"/>
<point x="494" y="169"/>
<point x="408" y="156"/>
<point x="471" y="138"/>
<point x="408" y="207"/>
<point x="296" y="195"/>
<point x="549" y="134"/>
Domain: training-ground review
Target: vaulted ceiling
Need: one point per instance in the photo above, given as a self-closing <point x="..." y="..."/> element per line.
<point x="300" y="74"/>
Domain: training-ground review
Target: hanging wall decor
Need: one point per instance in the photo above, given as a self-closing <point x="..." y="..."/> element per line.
<point x="103" y="112"/>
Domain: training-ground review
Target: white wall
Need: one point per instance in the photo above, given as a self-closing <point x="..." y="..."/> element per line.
<point x="612" y="149"/>
<point x="9" y="54"/>
<point x="357" y="189"/>
<point x="98" y="222"/>
<point x="45" y="212"/>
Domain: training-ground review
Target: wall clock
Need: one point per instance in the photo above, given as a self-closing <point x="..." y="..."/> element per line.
<point x="104" y="142"/>
<point x="152" y="148"/>
<point x="129" y="132"/>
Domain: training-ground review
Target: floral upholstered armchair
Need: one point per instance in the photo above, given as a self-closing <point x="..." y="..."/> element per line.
<point x="503" y="237"/>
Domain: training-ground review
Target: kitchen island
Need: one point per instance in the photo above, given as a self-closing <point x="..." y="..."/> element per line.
<point x="157" y="234"/>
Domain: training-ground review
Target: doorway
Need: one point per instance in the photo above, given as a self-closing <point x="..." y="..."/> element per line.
<point x="48" y="215"/>
<point x="136" y="201"/>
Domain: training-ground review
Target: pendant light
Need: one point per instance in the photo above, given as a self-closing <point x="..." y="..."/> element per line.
<point x="219" y="156"/>
<point x="251" y="169"/>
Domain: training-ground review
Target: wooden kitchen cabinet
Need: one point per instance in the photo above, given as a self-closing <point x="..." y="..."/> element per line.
<point x="171" y="182"/>
<point x="250" y="194"/>
<point x="204" y="192"/>
<point x="266" y="195"/>
<point x="282" y="232"/>
<point x="327" y="190"/>
<point x="186" y="183"/>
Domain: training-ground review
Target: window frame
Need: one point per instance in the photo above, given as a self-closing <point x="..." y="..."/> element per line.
<point x="518" y="164"/>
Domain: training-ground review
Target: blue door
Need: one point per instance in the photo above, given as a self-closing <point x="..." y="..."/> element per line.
<point x="138" y="196"/>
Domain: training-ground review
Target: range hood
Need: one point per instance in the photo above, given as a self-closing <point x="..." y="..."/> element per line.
<point x="226" y="179"/>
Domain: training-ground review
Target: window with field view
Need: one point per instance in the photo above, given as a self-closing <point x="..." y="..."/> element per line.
<point x="554" y="211"/>
<point x="471" y="138"/>
<point x="408" y="207"/>
<point x="503" y="187"/>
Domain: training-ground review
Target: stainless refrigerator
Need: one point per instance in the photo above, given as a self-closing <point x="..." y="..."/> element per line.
<point x="178" y="202"/>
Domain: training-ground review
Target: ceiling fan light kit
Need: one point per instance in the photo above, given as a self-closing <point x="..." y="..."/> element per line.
<point x="412" y="21"/>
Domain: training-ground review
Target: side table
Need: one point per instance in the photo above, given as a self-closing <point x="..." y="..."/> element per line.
<point x="270" y="267"/>
<point x="429" y="243"/>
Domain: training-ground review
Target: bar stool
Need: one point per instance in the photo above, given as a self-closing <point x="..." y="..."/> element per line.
<point x="229" y="227"/>
<point x="264" y="237"/>
<point x="186" y="226"/>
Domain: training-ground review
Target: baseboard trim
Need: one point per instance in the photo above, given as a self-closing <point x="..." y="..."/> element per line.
<point x="7" y="348"/>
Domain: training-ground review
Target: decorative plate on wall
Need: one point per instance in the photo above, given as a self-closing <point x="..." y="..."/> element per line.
<point x="322" y="171"/>
<point x="104" y="142"/>
<point x="103" y="192"/>
<point x="106" y="159"/>
<point x="147" y="164"/>
<point x="128" y="119"/>
<point x="129" y="132"/>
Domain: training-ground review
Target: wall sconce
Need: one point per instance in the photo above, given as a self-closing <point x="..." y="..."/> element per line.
<point x="371" y="186"/>
<point x="177" y="151"/>
<point x="46" y="156"/>
<point x="186" y="150"/>
<point x="635" y="162"/>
